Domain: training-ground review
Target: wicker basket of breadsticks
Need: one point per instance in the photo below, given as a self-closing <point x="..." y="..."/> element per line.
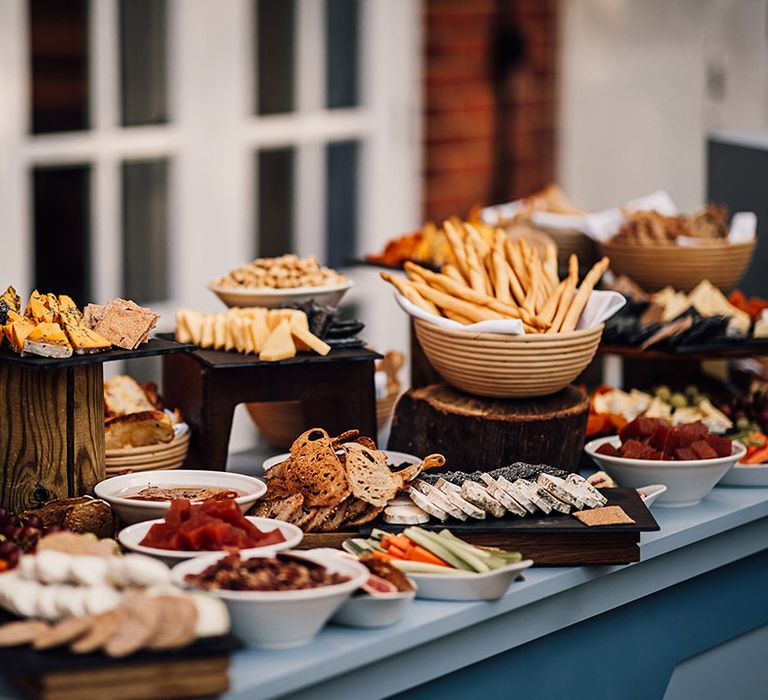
<point x="499" y="321"/>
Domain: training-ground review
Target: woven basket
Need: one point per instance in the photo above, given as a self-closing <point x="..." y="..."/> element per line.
<point x="681" y="267"/>
<point x="508" y="366"/>
<point x="170" y="455"/>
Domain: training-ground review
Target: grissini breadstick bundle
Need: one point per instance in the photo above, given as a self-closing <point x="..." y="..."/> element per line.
<point x="492" y="277"/>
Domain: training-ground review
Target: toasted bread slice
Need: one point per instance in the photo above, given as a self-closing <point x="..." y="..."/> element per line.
<point x="138" y="429"/>
<point x="124" y="395"/>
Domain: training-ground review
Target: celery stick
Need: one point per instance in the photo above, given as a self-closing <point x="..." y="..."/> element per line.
<point x="467" y="559"/>
<point x="417" y="567"/>
<point x="377" y="534"/>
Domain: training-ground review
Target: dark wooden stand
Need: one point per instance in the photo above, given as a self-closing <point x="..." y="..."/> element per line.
<point x="480" y="433"/>
<point x="52" y="423"/>
<point x="337" y="392"/>
<point x="51" y="433"/>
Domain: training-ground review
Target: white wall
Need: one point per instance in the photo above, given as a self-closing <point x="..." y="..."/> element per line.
<point x="640" y="89"/>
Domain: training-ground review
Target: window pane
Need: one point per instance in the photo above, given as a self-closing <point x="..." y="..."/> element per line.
<point x="145" y="230"/>
<point x="342" y="34"/>
<point x="143" y="62"/>
<point x="274" y="195"/>
<point x="275" y="42"/>
<point x="58" y="46"/>
<point x="341" y="162"/>
<point x="61" y="210"/>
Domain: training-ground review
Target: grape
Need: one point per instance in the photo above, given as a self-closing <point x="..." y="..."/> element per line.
<point x="13" y="558"/>
<point x="12" y="532"/>
<point x="3" y="516"/>
<point x="34" y="521"/>
<point x="6" y="548"/>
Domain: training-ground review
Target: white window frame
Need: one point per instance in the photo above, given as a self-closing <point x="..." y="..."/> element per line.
<point x="212" y="137"/>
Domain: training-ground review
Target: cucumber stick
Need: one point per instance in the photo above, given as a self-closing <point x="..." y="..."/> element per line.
<point x="423" y="539"/>
<point x="417" y="567"/>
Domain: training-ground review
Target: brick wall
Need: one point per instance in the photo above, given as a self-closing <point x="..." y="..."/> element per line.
<point x="489" y="133"/>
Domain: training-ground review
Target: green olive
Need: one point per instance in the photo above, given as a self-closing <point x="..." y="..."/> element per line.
<point x="678" y="400"/>
<point x="663" y="392"/>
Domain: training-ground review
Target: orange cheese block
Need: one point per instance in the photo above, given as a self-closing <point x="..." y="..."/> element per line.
<point x="49" y="333"/>
<point x="17" y="332"/>
<point x="68" y="310"/>
<point x="84" y="340"/>
<point x="36" y="310"/>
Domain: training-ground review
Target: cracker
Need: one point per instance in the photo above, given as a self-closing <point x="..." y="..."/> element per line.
<point x="369" y="475"/>
<point x="609" y="515"/>
<point x="315" y="471"/>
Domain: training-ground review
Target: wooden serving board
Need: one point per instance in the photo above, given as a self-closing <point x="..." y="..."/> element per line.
<point x="199" y="670"/>
<point x="550" y="540"/>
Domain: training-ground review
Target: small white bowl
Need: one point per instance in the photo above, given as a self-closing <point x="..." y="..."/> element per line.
<point x="754" y="475"/>
<point x="281" y="619"/>
<point x="380" y="610"/>
<point x="131" y="511"/>
<point x="393" y="457"/>
<point x="650" y="493"/>
<point x="687" y="481"/>
<point x="130" y="537"/>
<point x="467" y="586"/>
<point x="329" y="295"/>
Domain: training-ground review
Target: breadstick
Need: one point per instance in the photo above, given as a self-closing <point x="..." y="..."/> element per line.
<point x="481" y="245"/>
<point x="457" y="245"/>
<point x="502" y="280"/>
<point x="549" y="309"/>
<point x="406" y="289"/>
<point x="460" y="306"/>
<point x="582" y="296"/>
<point x="550" y="265"/>
<point x="476" y="275"/>
<point x="566" y="297"/>
<point x="463" y="320"/>
<point x="453" y="272"/>
<point x="515" y="260"/>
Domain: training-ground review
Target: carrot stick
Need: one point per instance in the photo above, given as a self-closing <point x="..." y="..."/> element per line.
<point x="396" y="552"/>
<point x="418" y="553"/>
<point x="400" y="541"/>
<point x="383" y="555"/>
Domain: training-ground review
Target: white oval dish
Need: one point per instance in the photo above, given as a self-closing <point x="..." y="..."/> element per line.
<point x="687" y="481"/>
<point x="462" y="585"/>
<point x="393" y="457"/>
<point x="329" y="295"/>
<point x="754" y="475"/>
<point x="650" y="493"/>
<point x="130" y="537"/>
<point x="131" y="511"/>
<point x="380" y="610"/>
<point x="281" y="619"/>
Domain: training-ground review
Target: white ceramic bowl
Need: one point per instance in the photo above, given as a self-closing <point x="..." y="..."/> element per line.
<point x="282" y="619"/>
<point x="380" y="610"/>
<point x="130" y="537"/>
<point x="651" y="493"/>
<point x="753" y="475"/>
<point x="330" y="295"/>
<point x="130" y="511"/>
<point x="687" y="481"/>
<point x="467" y="586"/>
<point x="393" y="457"/>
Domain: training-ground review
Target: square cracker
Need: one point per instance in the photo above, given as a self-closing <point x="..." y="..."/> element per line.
<point x="126" y="324"/>
<point x="609" y="515"/>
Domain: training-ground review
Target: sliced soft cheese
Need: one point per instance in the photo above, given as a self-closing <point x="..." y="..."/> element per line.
<point x="439" y="499"/>
<point x="479" y="496"/>
<point x="405" y="515"/>
<point x="453" y="494"/>
<point x="530" y="489"/>
<point x="560" y="489"/>
<point x="424" y="503"/>
<point x="520" y="495"/>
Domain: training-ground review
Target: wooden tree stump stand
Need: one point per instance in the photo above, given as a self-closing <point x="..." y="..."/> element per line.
<point x="480" y="433"/>
<point x="51" y="433"/>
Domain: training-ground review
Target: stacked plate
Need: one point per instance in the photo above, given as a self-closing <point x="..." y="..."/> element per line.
<point x="508" y="366"/>
<point x="169" y="455"/>
<point x="654" y="267"/>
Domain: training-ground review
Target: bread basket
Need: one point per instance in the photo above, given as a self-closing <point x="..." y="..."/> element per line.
<point x="654" y="267"/>
<point x="507" y="366"/>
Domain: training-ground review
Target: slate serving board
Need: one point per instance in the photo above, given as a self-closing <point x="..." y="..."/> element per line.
<point x="156" y="346"/>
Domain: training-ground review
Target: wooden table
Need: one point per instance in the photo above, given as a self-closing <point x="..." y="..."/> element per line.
<point x="337" y="392"/>
<point x="52" y="423"/>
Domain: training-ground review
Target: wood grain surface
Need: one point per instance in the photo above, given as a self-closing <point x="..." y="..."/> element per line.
<point x="51" y="433"/>
<point x="478" y="433"/>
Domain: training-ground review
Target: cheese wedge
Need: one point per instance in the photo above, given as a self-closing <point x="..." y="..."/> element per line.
<point x="12" y="299"/>
<point x="220" y="332"/>
<point x="47" y="340"/>
<point x="84" y="341"/>
<point x="36" y="310"/>
<point x="230" y="341"/>
<point x="17" y="332"/>
<point x="207" y="334"/>
<point x="259" y="331"/>
<point x="279" y="345"/>
<point x="307" y="341"/>
<point x="183" y="333"/>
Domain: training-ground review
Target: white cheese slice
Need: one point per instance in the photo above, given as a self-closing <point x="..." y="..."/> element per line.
<point x="463" y="504"/>
<point x="518" y="494"/>
<point x="557" y="488"/>
<point x="439" y="499"/>
<point x="581" y="482"/>
<point x="553" y="502"/>
<point x="425" y="504"/>
<point x="405" y="515"/>
<point x="530" y="489"/>
<point x="479" y="496"/>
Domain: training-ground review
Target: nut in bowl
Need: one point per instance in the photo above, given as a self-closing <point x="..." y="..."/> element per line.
<point x="276" y="282"/>
<point x="276" y="601"/>
<point x="147" y="495"/>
